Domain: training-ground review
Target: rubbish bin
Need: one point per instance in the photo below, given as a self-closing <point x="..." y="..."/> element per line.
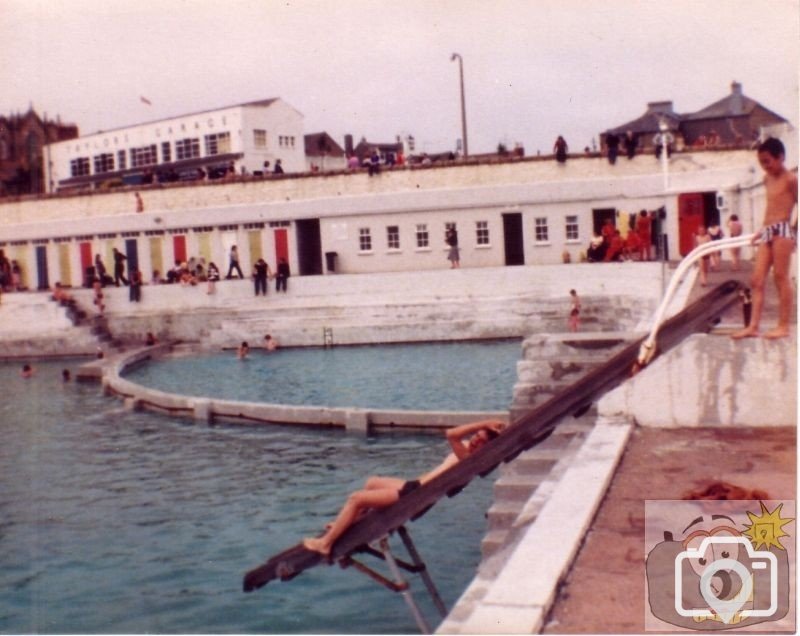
<point x="330" y="261"/>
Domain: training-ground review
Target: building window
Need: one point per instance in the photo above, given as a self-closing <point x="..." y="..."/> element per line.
<point x="571" y="228"/>
<point x="103" y="163"/>
<point x="482" y="232"/>
<point x="260" y="138"/>
<point x="144" y="156"/>
<point x="166" y="152"/>
<point x="4" y="152"/>
<point x="286" y="141"/>
<point x="218" y="144"/>
<point x="121" y="159"/>
<point x="423" y="239"/>
<point x="187" y="148"/>
<point x="393" y="237"/>
<point x="79" y="167"/>
<point x="541" y="233"/>
<point x="364" y="239"/>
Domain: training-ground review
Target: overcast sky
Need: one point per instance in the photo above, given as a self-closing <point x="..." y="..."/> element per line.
<point x="533" y="69"/>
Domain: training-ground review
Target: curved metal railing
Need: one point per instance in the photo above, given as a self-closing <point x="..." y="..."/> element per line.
<point x="648" y="347"/>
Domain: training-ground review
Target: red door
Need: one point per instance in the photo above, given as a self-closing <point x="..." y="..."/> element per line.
<point x="281" y="245"/>
<point x="179" y="247"/>
<point x="690" y="216"/>
<point x="86" y="256"/>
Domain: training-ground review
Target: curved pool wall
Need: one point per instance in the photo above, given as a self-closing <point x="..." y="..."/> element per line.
<point x="110" y="372"/>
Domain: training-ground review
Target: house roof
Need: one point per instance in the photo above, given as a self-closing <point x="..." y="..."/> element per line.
<point x="737" y="104"/>
<point x="315" y="142"/>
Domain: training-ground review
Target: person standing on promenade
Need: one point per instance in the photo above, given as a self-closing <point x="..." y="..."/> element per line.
<point x="213" y="277"/>
<point x="451" y="238"/>
<point x="234" y="263"/>
<point x="776" y="240"/>
<point x="702" y="237"/>
<point x="561" y="149"/>
<point x="575" y="311"/>
<point x="644" y="224"/>
<point x="282" y="276"/>
<point x="382" y="492"/>
<point x="135" y="290"/>
<point x="735" y="229"/>
<point x="119" y="267"/>
<point x="260" y="273"/>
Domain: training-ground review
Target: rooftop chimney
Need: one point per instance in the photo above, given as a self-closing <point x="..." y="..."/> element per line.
<point x="660" y="107"/>
<point x="737" y="103"/>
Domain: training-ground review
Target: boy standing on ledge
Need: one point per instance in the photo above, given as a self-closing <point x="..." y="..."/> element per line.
<point x="776" y="240"/>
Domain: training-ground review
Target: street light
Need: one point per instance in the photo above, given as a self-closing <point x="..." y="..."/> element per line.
<point x="454" y="57"/>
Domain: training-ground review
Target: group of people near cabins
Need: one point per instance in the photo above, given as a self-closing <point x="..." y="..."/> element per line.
<point x="187" y="273"/>
<point x="636" y="244"/>
<point x="10" y="274"/>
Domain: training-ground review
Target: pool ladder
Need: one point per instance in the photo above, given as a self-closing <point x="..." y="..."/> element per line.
<point x="327" y="337"/>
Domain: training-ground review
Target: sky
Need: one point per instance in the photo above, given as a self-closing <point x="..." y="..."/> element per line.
<point x="533" y="69"/>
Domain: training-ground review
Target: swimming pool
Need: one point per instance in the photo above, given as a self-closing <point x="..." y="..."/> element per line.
<point x="449" y="376"/>
<point x="114" y="521"/>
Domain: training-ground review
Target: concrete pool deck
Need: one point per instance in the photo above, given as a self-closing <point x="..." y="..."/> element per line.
<point x="574" y="561"/>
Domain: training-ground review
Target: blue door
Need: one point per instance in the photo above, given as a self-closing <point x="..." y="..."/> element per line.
<point x="132" y="255"/>
<point x="43" y="281"/>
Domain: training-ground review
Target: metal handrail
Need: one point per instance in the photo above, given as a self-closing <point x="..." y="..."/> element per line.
<point x="648" y="347"/>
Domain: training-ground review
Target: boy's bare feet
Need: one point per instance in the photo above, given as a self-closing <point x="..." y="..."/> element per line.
<point x="748" y="332"/>
<point x="317" y="545"/>
<point x="778" y="332"/>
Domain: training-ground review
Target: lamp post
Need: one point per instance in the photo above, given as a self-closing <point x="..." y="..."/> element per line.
<point x="665" y="138"/>
<point x="454" y="57"/>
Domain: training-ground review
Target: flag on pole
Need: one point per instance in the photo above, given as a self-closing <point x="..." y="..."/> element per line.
<point x="144" y="100"/>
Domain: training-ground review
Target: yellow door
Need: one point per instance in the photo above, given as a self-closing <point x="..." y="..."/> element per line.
<point x="254" y="242"/>
<point x="64" y="264"/>
<point x="156" y="258"/>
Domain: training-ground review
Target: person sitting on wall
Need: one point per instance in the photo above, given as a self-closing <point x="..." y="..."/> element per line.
<point x="597" y="249"/>
<point x="615" y="248"/>
<point x="633" y="246"/>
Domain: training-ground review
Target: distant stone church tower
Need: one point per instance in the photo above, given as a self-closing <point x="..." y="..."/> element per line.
<point x="22" y="150"/>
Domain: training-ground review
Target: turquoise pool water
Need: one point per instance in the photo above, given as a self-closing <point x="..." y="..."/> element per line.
<point x="120" y="522"/>
<point x="468" y="376"/>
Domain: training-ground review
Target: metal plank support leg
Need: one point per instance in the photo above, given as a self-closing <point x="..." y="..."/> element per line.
<point x="405" y="591"/>
<point x="422" y="570"/>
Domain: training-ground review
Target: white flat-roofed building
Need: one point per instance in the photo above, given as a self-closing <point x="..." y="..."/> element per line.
<point x="206" y="144"/>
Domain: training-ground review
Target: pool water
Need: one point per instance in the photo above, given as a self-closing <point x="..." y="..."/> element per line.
<point x="119" y="522"/>
<point x="463" y="376"/>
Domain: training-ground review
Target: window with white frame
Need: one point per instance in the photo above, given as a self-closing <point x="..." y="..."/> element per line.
<point x="79" y="167"/>
<point x="540" y="230"/>
<point x="482" y="232"/>
<point x="144" y="156"/>
<point x="218" y="144"/>
<point x="166" y="152"/>
<point x="286" y="141"/>
<point x="103" y="163"/>
<point x="121" y="159"/>
<point x="571" y="228"/>
<point x="423" y="239"/>
<point x="260" y="138"/>
<point x="187" y="148"/>
<point x="393" y="237"/>
<point x="364" y="239"/>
